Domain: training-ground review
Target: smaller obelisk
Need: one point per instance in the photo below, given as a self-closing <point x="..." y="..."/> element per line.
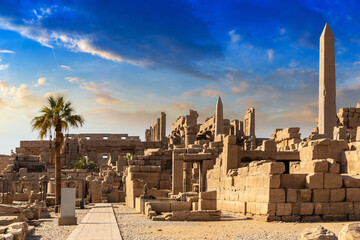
<point x="219" y="118"/>
<point x="327" y="85"/>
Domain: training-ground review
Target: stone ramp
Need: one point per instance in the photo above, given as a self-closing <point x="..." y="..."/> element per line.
<point x="99" y="223"/>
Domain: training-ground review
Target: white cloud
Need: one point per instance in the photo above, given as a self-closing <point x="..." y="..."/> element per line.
<point x="40" y="82"/>
<point x="102" y="97"/>
<point x="282" y="31"/>
<point x="65" y="67"/>
<point x="4" y="66"/>
<point x="234" y="37"/>
<point x="182" y="105"/>
<point x="293" y="63"/>
<point x="357" y="63"/>
<point x="270" y="54"/>
<point x="74" y="79"/>
<point x="203" y="93"/>
<point x="6" y="51"/>
<point x="241" y="87"/>
<point x="105" y="98"/>
<point x="91" y="86"/>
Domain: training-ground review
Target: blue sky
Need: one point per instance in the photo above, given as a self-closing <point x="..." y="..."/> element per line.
<point x="123" y="62"/>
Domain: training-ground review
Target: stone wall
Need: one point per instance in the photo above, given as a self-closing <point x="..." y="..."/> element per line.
<point x="287" y="139"/>
<point x="157" y="132"/>
<point x="262" y="189"/>
<point x="99" y="148"/>
<point x="313" y="190"/>
<point x="184" y="130"/>
<point x="348" y="121"/>
<point x="249" y="122"/>
<point x="4" y="161"/>
<point x="207" y="129"/>
<point x="137" y="176"/>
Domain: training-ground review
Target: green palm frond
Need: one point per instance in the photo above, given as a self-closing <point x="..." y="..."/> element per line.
<point x="57" y="112"/>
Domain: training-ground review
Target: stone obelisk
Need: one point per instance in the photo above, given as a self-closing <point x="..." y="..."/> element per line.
<point x="219" y="118"/>
<point x="327" y="86"/>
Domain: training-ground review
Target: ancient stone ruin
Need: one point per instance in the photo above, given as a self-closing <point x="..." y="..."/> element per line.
<point x="202" y="169"/>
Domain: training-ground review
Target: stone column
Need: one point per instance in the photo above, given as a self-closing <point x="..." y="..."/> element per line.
<point x="92" y="155"/>
<point x="177" y="173"/>
<point x="115" y="155"/>
<point x="162" y="126"/>
<point x="147" y="135"/>
<point x="157" y="126"/>
<point x="219" y="118"/>
<point x="327" y="84"/>
<point x="190" y="135"/>
<point x="249" y="122"/>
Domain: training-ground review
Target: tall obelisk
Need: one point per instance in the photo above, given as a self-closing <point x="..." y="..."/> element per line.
<point x="219" y="118"/>
<point x="327" y="85"/>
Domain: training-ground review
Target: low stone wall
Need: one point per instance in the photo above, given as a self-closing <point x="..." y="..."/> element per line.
<point x="137" y="176"/>
<point x="318" y="192"/>
<point x="287" y="139"/>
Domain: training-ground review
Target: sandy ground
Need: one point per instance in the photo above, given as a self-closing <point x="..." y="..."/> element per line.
<point x="49" y="229"/>
<point x="134" y="225"/>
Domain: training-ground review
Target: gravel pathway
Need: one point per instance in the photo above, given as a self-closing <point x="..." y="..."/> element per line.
<point x="134" y="225"/>
<point x="49" y="229"/>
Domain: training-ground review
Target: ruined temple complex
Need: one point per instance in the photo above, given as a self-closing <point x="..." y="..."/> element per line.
<point x="201" y="169"/>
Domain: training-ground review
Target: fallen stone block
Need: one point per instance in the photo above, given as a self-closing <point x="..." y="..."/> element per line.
<point x="317" y="233"/>
<point x="350" y="232"/>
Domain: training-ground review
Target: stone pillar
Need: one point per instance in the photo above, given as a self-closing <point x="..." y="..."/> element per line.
<point x="147" y="135"/>
<point x="187" y="177"/>
<point x="177" y="173"/>
<point x="151" y="134"/>
<point x="157" y="128"/>
<point x="229" y="154"/>
<point x="327" y="85"/>
<point x="92" y="155"/>
<point x="190" y="135"/>
<point x="219" y="118"/>
<point x="249" y="122"/>
<point x="241" y="129"/>
<point x="162" y="126"/>
<point x="115" y="155"/>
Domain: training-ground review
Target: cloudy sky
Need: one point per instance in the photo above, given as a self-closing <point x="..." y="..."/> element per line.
<point x="123" y="62"/>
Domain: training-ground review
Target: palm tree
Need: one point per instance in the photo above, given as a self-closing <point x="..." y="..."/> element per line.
<point x="58" y="115"/>
<point x="84" y="163"/>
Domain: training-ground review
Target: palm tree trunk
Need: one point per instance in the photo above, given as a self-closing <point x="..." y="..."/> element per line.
<point x="57" y="165"/>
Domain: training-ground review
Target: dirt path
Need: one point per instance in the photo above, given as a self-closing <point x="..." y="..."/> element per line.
<point x="49" y="229"/>
<point x="134" y="225"/>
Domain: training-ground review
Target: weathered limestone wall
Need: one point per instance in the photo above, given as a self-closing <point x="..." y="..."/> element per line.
<point x="96" y="146"/>
<point x="137" y="176"/>
<point x="4" y="161"/>
<point x="207" y="129"/>
<point x="249" y="122"/>
<point x="35" y="148"/>
<point x="262" y="189"/>
<point x="322" y="149"/>
<point x="287" y="139"/>
<point x="157" y="132"/>
<point x="183" y="131"/>
<point x="348" y="123"/>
